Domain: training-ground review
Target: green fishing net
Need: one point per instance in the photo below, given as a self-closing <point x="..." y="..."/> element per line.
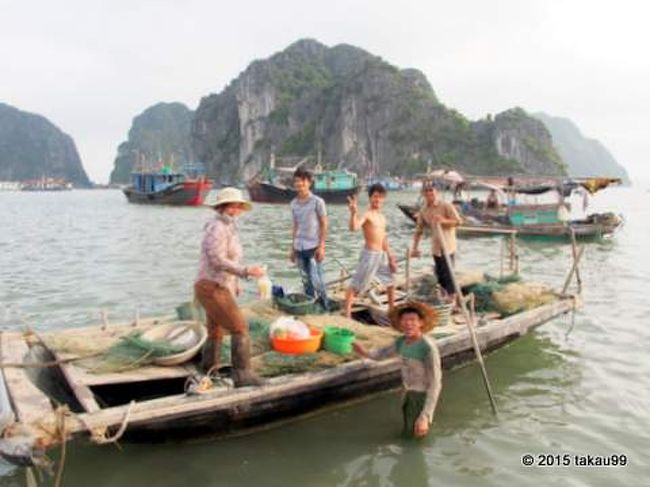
<point x="133" y="351"/>
<point x="508" y="295"/>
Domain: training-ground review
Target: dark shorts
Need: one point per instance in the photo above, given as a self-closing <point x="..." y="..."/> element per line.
<point x="443" y="273"/>
<point x="411" y="409"/>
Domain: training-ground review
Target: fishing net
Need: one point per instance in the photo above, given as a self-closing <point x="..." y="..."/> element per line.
<point x="483" y="293"/>
<point x="517" y="297"/>
<point x="133" y="351"/>
<point x="258" y="329"/>
<point x="272" y="363"/>
<point x="508" y="295"/>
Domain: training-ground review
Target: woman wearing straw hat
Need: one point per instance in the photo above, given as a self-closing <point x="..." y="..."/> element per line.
<point x="421" y="368"/>
<point x="217" y="286"/>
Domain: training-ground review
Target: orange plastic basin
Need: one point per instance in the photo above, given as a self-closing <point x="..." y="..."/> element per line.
<point x="296" y="347"/>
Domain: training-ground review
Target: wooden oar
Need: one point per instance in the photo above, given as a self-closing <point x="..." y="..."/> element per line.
<point x="468" y="318"/>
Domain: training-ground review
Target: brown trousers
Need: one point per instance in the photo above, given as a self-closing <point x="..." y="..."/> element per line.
<point x="221" y="309"/>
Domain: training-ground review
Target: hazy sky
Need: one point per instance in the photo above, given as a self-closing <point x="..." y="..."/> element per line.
<point x="91" y="66"/>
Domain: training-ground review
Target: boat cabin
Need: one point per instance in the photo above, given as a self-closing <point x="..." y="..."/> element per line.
<point x="522" y="215"/>
<point x="154" y="182"/>
<point x="334" y="180"/>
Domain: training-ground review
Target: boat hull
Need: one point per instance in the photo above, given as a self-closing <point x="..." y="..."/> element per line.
<point x="186" y="193"/>
<point x="261" y="192"/>
<point x="583" y="230"/>
<point x="225" y="412"/>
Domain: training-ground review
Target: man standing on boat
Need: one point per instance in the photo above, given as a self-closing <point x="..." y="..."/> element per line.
<point x="376" y="261"/>
<point x="421" y="364"/>
<point x="217" y="286"/>
<point x="308" y="235"/>
<point x="436" y="211"/>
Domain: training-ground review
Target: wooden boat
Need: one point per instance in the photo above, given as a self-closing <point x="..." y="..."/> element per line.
<point x="595" y="227"/>
<point x="275" y="185"/>
<point x="389" y="183"/>
<point x="150" y="403"/>
<point x="46" y="184"/>
<point x="167" y="188"/>
<point x="530" y="221"/>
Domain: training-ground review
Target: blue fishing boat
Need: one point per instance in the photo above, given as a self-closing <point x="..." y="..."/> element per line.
<point x="165" y="187"/>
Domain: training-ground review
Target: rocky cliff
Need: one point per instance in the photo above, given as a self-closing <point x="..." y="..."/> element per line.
<point x="161" y="132"/>
<point x="32" y="147"/>
<point x="363" y="113"/>
<point x="583" y="156"/>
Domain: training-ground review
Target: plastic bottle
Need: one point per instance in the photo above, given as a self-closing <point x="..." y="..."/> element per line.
<point x="264" y="286"/>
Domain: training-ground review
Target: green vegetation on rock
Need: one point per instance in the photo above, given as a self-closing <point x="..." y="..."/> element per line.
<point x="364" y="114"/>
<point x="161" y="132"/>
<point x="32" y="147"/>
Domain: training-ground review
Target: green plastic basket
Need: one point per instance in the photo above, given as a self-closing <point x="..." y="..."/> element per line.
<point x="338" y="340"/>
<point x="297" y="304"/>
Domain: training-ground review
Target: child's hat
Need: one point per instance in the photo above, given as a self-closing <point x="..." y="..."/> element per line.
<point x="428" y="315"/>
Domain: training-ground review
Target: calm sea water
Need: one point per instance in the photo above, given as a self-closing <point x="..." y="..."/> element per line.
<point x="66" y="256"/>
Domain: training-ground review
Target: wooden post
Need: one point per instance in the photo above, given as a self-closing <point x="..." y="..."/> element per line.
<point x="513" y="251"/>
<point x="573" y="269"/>
<point x="466" y="314"/>
<point x="574" y="251"/>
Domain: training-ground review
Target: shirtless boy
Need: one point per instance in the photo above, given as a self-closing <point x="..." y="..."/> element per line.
<point x="376" y="259"/>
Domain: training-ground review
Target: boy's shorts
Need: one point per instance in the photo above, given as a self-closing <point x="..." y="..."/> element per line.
<point x="412" y="407"/>
<point x="372" y="263"/>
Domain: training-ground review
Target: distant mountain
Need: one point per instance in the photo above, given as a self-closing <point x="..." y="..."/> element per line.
<point x="32" y="147"/>
<point x="363" y="113"/>
<point x="161" y="132"/>
<point x="583" y="156"/>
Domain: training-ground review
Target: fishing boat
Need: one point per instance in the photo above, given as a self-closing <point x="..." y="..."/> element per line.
<point x="536" y="222"/>
<point x="46" y="184"/>
<point x="10" y="186"/>
<point x="52" y="390"/>
<point x="533" y="220"/>
<point x="275" y="184"/>
<point x="389" y="183"/>
<point x="166" y="187"/>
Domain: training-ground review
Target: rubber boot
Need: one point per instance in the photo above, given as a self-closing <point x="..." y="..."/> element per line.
<point x="210" y="354"/>
<point x="242" y="373"/>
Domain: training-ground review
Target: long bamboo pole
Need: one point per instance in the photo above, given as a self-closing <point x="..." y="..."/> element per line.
<point x="468" y="318"/>
<point x="574" y="251"/>
<point x="573" y="269"/>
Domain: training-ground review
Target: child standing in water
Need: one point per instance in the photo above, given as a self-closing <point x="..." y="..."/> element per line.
<point x="376" y="259"/>
<point x="421" y="365"/>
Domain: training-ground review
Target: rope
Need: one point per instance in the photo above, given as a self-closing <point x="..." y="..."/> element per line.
<point x="100" y="435"/>
<point x="61" y="413"/>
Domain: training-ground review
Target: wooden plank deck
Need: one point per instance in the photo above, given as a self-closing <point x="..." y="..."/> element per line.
<point x="28" y="401"/>
<point x="254" y="401"/>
